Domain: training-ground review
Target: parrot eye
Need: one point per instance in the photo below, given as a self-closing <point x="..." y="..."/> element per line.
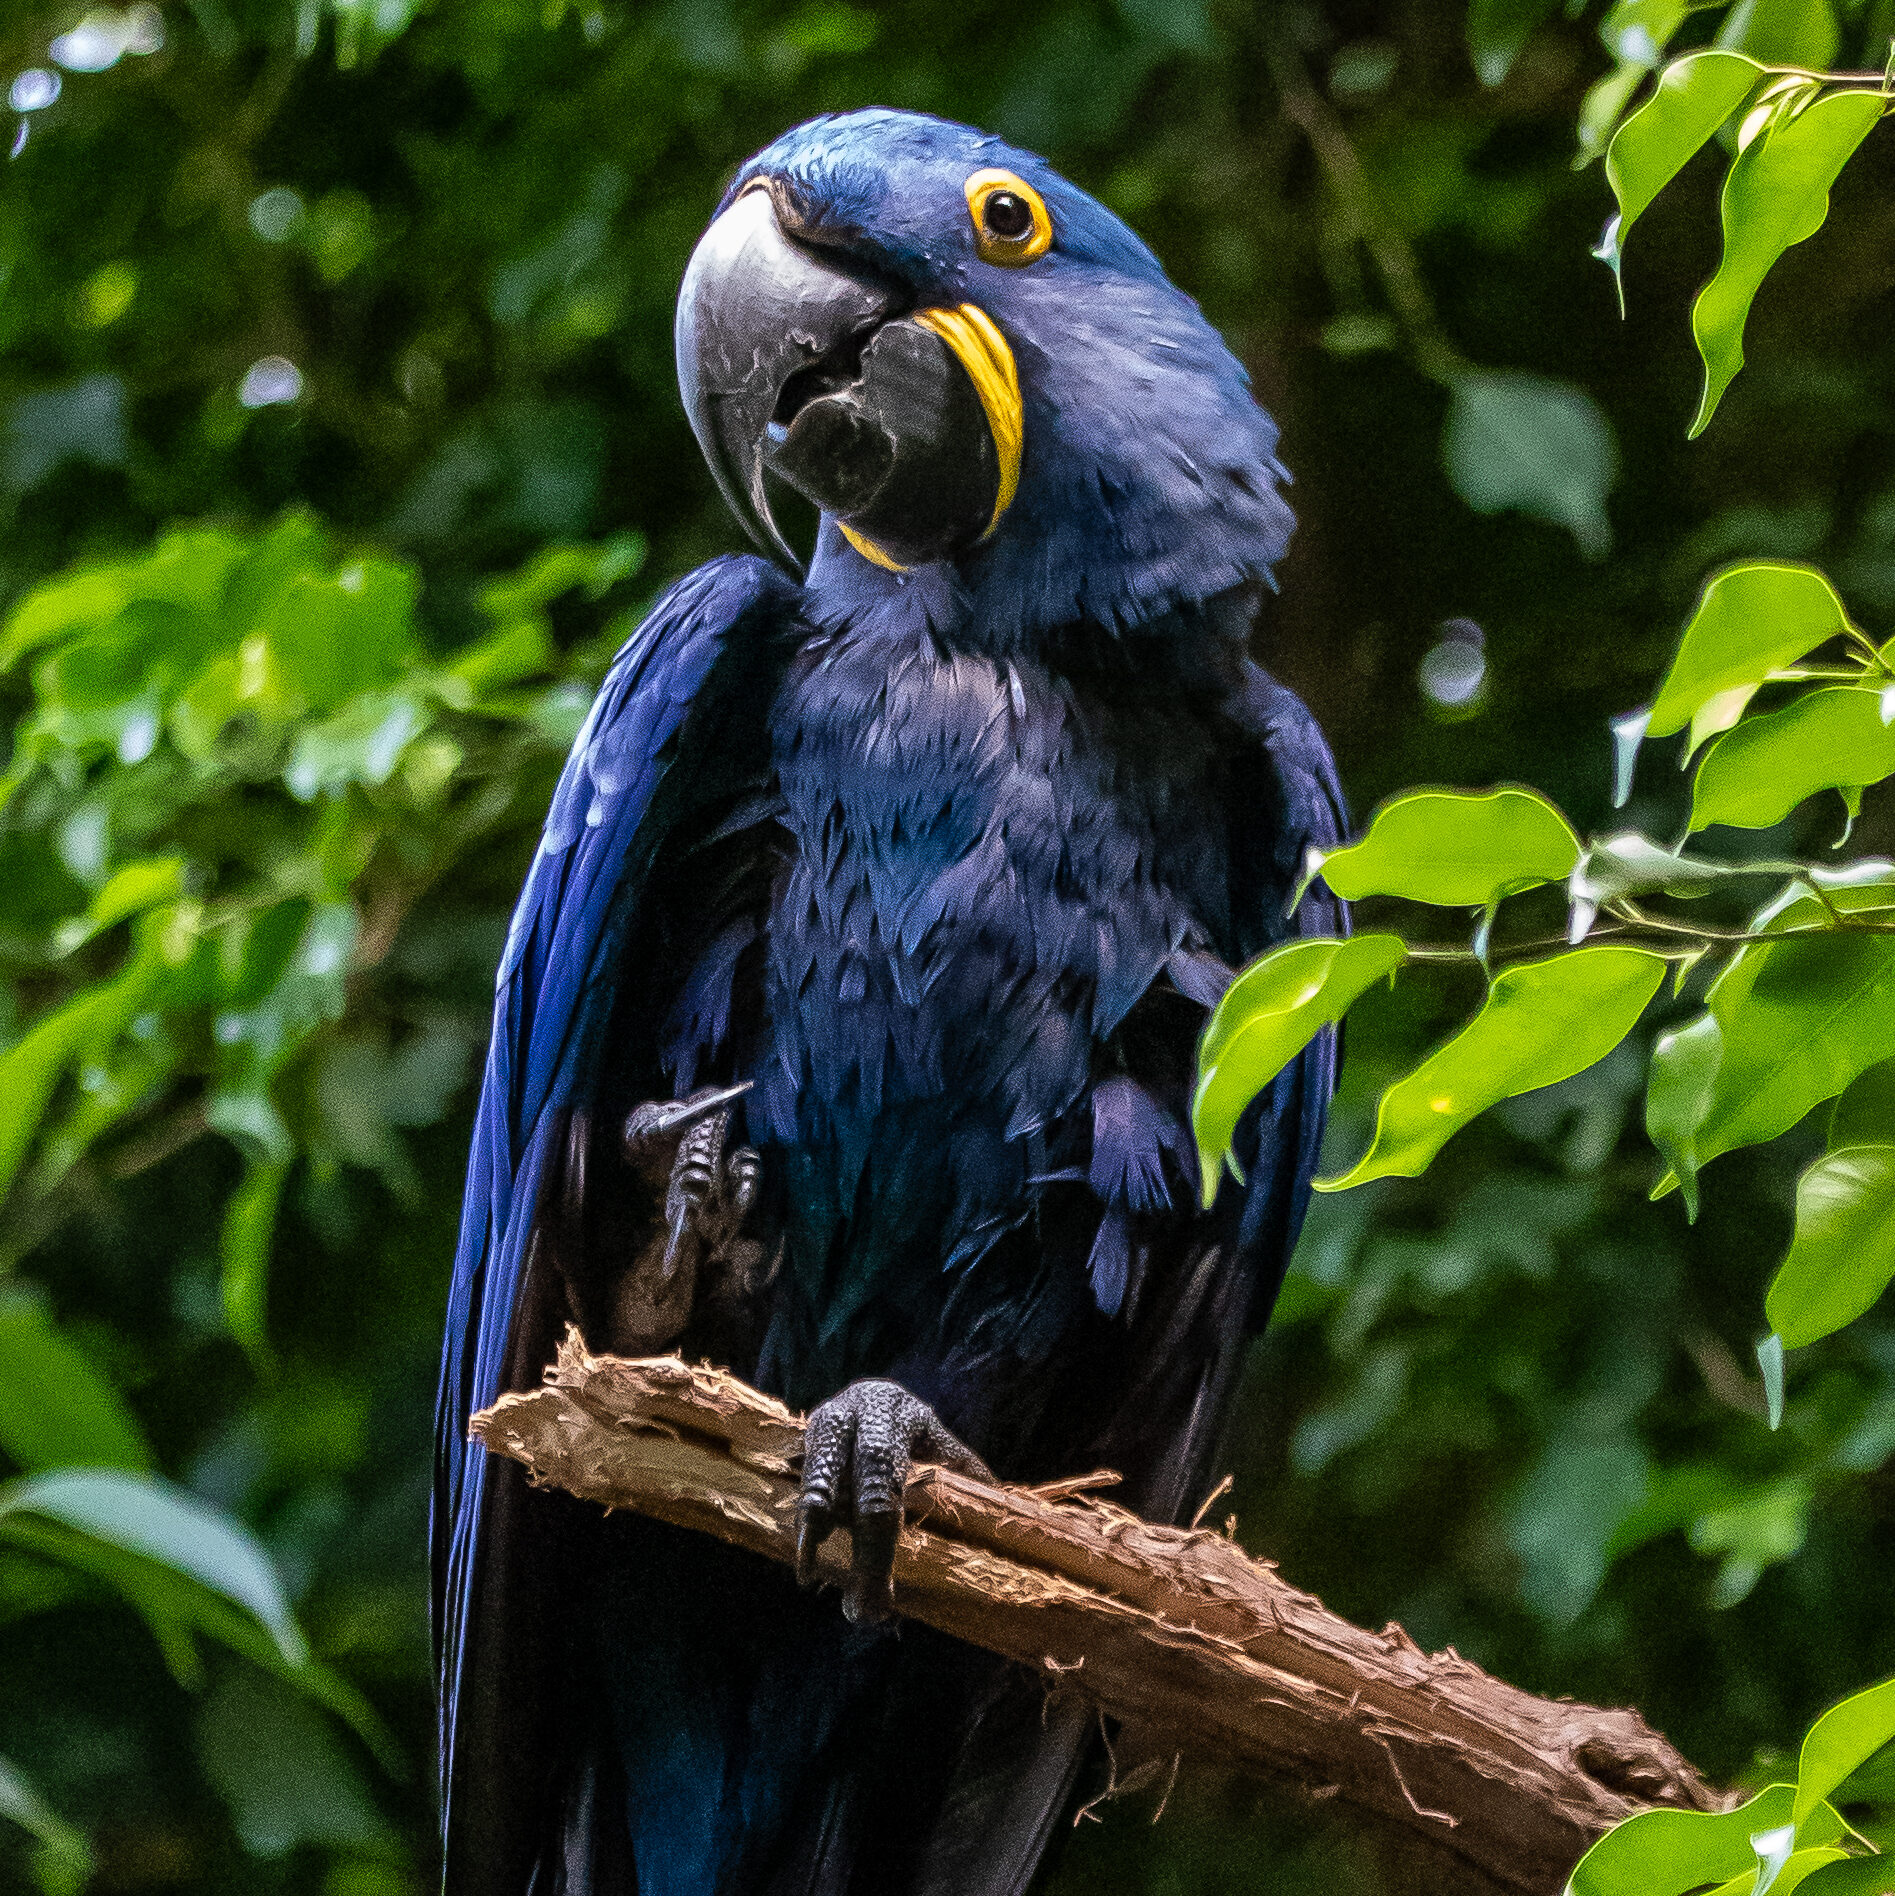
<point x="1011" y="223"/>
<point x="1006" y="216"/>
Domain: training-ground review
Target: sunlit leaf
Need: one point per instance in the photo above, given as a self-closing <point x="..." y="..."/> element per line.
<point x="1843" y="1254"/>
<point x="1533" y="445"/>
<point x="1455" y="848"/>
<point x="145" y="1515"/>
<point x="1717" y="714"/>
<point x="554" y="570"/>
<point x="1693" y="97"/>
<point x="1754" y="776"/>
<point x="1269" y="1014"/>
<point x="362" y="743"/>
<point x="1797" y="1868"/>
<point x="1542" y="1022"/>
<point x="1865" y="887"/>
<point x="1777" y="194"/>
<point x="1750" y="620"/>
<point x="56" y="1410"/>
<point x="1667" y="1852"/>
<point x="1632" y="864"/>
<point x="1683" y="1076"/>
<point x="1800" y="1018"/>
<point x="1847" y="1735"/>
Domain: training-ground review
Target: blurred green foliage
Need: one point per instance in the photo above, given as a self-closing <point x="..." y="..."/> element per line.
<point x="338" y="446"/>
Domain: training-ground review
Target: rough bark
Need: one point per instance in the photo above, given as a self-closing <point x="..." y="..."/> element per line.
<point x="1200" y="1650"/>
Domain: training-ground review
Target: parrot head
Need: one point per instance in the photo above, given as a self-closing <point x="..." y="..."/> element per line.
<point x="978" y="374"/>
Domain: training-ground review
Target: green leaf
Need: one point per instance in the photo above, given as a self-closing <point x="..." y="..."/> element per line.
<point x="1782" y="32"/>
<point x="144" y="1514"/>
<point x="1563" y="1515"/>
<point x="1716" y="715"/>
<point x="31" y="1068"/>
<point x="1864" y="1112"/>
<point x="332" y="638"/>
<point x="1800" y="1018"/>
<point x="1269" y="1014"/>
<point x="1754" y="776"/>
<point x="1534" y="445"/>
<point x="130" y="891"/>
<point x="1638" y="31"/>
<point x="1542" y="1022"/>
<point x="1860" y="1876"/>
<point x="1846" y="1736"/>
<point x="1599" y="114"/>
<point x="56" y="1410"/>
<point x="1454" y="848"/>
<point x="1864" y="887"/>
<point x="1666" y="1852"/>
<point x="1693" y="97"/>
<point x="1798" y="1868"/>
<point x="1843" y="1253"/>
<point x="249" y="1230"/>
<point x="554" y="570"/>
<point x="62" y="1864"/>
<point x="1678" y="1097"/>
<point x="1777" y="194"/>
<point x="1750" y="620"/>
<point x="278" y="1766"/>
<point x="1753" y="1531"/>
<point x="1497" y="30"/>
<point x="75" y="602"/>
<point x="362" y="743"/>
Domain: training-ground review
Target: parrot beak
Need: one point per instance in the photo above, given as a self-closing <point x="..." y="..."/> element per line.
<point x="791" y="361"/>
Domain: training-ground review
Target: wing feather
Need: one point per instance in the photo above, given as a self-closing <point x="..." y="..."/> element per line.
<point x="552" y="994"/>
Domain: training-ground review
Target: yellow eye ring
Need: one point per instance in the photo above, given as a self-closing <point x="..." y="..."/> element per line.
<point x="1011" y="223"/>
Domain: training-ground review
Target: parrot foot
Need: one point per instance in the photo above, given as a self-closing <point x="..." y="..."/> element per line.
<point x="858" y="1450"/>
<point x="703" y="1188"/>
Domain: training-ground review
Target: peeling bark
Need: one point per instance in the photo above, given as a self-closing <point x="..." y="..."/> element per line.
<point x="1197" y="1648"/>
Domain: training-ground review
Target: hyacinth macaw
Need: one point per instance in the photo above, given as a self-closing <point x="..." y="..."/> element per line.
<point x="845" y="1031"/>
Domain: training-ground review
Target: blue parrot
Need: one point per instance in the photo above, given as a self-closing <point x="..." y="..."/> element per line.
<point x="845" y="1029"/>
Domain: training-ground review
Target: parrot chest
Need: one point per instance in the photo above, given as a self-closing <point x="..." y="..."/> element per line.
<point x="987" y="868"/>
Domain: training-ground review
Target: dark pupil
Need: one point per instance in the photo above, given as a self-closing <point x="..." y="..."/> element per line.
<point x="1008" y="215"/>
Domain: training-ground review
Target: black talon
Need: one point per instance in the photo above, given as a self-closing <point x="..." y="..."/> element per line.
<point x="858" y="1451"/>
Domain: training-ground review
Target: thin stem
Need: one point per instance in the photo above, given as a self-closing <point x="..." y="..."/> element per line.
<point x="1871" y="652"/>
<point x="1355" y="198"/>
<point x="1816" y="889"/>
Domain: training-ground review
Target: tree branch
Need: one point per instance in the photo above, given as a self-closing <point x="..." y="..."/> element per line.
<point x="1176" y="1631"/>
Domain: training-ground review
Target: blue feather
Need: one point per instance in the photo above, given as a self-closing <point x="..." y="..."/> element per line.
<point x="550" y="995"/>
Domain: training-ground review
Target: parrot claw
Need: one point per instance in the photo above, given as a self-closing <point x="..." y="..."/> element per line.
<point x="858" y="1450"/>
<point x="701" y="1188"/>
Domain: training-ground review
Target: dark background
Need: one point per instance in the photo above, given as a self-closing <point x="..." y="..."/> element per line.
<point x="1510" y="1404"/>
